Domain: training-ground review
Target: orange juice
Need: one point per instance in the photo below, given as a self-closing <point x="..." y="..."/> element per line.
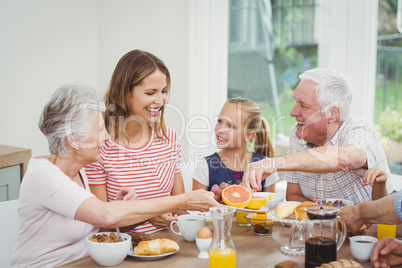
<point x="240" y="220"/>
<point x="222" y="257"/>
<point x="386" y="230"/>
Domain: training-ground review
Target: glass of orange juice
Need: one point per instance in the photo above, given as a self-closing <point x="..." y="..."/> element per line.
<point x="240" y="220"/>
<point x="222" y="257"/>
<point x="386" y="230"/>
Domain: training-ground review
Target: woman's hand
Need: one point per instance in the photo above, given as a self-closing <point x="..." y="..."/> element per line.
<point x="199" y="200"/>
<point x="387" y="252"/>
<point x="163" y="220"/>
<point x="126" y="194"/>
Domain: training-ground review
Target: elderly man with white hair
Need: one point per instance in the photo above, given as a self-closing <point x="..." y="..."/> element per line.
<point x="329" y="150"/>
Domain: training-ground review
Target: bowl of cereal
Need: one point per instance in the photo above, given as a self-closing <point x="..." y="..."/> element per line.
<point x="273" y="199"/>
<point x="107" y="249"/>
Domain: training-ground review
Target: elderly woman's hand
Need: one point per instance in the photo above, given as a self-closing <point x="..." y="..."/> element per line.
<point x="199" y="200"/>
<point x="126" y="194"/>
<point x="163" y="220"/>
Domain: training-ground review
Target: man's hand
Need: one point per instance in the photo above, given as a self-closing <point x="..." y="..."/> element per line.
<point x="126" y="194"/>
<point x="387" y="252"/>
<point x="350" y="215"/>
<point x="253" y="175"/>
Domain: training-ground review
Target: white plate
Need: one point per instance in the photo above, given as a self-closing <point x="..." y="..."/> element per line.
<point x="151" y="257"/>
<point x="263" y="209"/>
<point x="344" y="201"/>
<point x="196" y="212"/>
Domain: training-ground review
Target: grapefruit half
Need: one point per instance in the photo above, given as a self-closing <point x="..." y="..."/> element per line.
<point x="236" y="196"/>
<point x="256" y="202"/>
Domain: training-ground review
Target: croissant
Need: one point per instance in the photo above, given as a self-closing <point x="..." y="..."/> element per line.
<point x="156" y="247"/>
<point x="285" y="209"/>
<point x="301" y="212"/>
<point x="342" y="264"/>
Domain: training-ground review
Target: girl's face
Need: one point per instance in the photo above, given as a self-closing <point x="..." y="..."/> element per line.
<point x="89" y="150"/>
<point x="229" y="129"/>
<point x="147" y="99"/>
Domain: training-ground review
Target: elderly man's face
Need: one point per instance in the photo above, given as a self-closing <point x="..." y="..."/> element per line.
<point x="311" y="124"/>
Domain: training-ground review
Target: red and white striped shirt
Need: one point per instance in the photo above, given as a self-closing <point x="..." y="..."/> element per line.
<point x="149" y="170"/>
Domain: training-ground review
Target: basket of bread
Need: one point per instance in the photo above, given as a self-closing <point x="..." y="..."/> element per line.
<point x="343" y="263"/>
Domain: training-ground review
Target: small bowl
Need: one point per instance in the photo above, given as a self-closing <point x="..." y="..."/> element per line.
<point x="273" y="199"/>
<point x="261" y="225"/>
<point x="109" y="254"/>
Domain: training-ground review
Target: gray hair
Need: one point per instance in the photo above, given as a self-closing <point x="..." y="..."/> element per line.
<point x="333" y="89"/>
<point x="71" y="110"/>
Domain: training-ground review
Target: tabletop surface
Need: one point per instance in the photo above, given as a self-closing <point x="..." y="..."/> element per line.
<point x="251" y="251"/>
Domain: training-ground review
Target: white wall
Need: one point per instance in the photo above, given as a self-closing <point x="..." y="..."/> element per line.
<point x="47" y="43"/>
<point x="44" y="43"/>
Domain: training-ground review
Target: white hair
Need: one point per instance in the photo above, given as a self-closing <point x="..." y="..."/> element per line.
<point x="333" y="89"/>
<point x="72" y="109"/>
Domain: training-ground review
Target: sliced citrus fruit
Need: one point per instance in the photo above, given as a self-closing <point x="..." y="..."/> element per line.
<point x="236" y="196"/>
<point x="256" y="202"/>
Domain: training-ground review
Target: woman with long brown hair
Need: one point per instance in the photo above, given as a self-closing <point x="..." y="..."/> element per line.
<point x="142" y="151"/>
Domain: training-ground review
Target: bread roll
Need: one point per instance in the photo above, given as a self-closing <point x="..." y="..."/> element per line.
<point x="285" y="209"/>
<point x="301" y="212"/>
<point x="342" y="264"/>
<point x="287" y="264"/>
<point x="156" y="247"/>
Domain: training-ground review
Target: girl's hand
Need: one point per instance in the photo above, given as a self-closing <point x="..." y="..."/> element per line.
<point x="374" y="175"/>
<point x="126" y="194"/>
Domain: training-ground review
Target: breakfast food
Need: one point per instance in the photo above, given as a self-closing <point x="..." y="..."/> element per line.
<point x="300" y="210"/>
<point x="287" y="264"/>
<point x="285" y="209"/>
<point x="343" y="263"/>
<point x="204" y="233"/>
<point x="256" y="202"/>
<point x="137" y="237"/>
<point x="156" y="247"/>
<point x="236" y="196"/>
<point x="105" y="238"/>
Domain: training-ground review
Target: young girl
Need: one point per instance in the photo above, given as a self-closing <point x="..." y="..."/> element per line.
<point x="142" y="152"/>
<point x="239" y="122"/>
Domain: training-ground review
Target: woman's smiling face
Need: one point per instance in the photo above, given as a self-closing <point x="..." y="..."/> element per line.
<point x="147" y="99"/>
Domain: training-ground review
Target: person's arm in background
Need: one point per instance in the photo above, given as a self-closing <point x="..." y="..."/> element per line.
<point x="383" y="211"/>
<point x="324" y="159"/>
<point x="99" y="191"/>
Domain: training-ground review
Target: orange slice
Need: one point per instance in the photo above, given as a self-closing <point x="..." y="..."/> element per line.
<point x="236" y="196"/>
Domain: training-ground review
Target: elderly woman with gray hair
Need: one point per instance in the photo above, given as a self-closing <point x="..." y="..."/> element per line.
<point x="57" y="210"/>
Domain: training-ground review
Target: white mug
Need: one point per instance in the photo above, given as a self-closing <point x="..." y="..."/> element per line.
<point x="361" y="247"/>
<point x="189" y="225"/>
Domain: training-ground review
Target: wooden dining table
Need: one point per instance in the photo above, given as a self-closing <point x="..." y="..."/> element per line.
<point x="252" y="251"/>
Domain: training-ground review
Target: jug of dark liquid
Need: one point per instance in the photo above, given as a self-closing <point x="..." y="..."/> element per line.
<point x="323" y="235"/>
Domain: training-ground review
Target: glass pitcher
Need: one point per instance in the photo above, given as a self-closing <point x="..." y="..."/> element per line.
<point x="322" y="238"/>
<point x="222" y="252"/>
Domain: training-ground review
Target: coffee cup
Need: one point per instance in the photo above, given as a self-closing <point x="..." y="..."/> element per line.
<point x="361" y="247"/>
<point x="189" y="225"/>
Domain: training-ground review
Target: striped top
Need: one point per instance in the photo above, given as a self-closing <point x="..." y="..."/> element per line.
<point x="150" y="169"/>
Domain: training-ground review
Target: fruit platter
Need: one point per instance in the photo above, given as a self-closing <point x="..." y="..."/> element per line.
<point x="240" y="197"/>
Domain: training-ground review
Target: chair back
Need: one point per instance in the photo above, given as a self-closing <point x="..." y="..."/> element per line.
<point x="9" y="226"/>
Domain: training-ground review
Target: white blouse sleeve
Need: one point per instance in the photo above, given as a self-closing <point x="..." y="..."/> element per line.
<point x="200" y="173"/>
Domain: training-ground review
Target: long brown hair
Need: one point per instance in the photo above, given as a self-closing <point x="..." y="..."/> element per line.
<point x="255" y="122"/>
<point x="131" y="69"/>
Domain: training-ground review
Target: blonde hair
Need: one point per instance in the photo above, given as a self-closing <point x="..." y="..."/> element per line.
<point x="130" y="71"/>
<point x="255" y="122"/>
